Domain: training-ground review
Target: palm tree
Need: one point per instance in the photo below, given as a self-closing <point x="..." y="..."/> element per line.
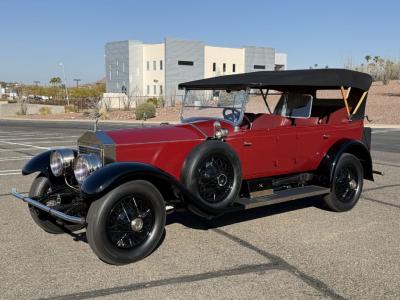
<point x="315" y="66"/>
<point x="55" y="81"/>
<point x="367" y="58"/>
<point x="376" y="59"/>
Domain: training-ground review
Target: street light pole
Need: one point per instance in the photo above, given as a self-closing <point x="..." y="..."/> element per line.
<point x="65" y="82"/>
<point x="77" y="82"/>
<point x="36" y="82"/>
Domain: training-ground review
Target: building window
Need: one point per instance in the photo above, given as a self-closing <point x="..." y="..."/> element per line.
<point x="117" y="86"/>
<point x="185" y="63"/>
<point x="214" y="67"/>
<point x="154" y="89"/>
<point x="117" y="72"/>
<point x="161" y="65"/>
<point x="123" y="67"/>
<point x="148" y="66"/>
<point x="233" y="68"/>
<point x="154" y="65"/>
<point x="259" y="67"/>
<point x="148" y="90"/>
<point x="161" y="91"/>
<point x="110" y="71"/>
<point x="224" y="67"/>
<point x="117" y="63"/>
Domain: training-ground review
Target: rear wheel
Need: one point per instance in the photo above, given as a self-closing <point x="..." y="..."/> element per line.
<point x="40" y="191"/>
<point x="347" y="184"/>
<point x="126" y="224"/>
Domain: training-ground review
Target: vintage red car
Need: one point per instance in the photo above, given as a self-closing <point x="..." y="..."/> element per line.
<point x="222" y="157"/>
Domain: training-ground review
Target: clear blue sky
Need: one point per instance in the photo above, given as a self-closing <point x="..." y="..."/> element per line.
<point x="37" y="35"/>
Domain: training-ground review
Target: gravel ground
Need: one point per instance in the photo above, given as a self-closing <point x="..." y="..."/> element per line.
<point x="383" y="107"/>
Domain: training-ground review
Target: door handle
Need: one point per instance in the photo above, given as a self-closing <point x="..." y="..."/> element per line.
<point x="326" y="136"/>
<point x="247" y="144"/>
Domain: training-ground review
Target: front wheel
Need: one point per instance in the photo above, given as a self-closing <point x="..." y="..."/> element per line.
<point x="41" y="191"/>
<point x="126" y="224"/>
<point x="347" y="184"/>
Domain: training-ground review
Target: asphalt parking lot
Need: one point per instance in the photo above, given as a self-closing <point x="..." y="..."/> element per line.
<point x="296" y="250"/>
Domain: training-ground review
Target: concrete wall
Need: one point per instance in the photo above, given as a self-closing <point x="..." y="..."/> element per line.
<point x="220" y="56"/>
<point x="260" y="56"/>
<point x="182" y="50"/>
<point x="12" y="109"/>
<point x="117" y="65"/>
<point x="153" y="77"/>
<point x="280" y="61"/>
<point x="135" y="86"/>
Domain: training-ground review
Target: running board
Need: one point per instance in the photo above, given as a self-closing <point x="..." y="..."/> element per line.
<point x="282" y="196"/>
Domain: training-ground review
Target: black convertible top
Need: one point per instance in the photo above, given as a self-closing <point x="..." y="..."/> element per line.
<point x="313" y="78"/>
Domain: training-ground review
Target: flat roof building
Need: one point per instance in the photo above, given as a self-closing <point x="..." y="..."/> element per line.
<point x="140" y="69"/>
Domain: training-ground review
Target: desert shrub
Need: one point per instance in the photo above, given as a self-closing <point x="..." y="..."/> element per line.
<point x="145" y="111"/>
<point x="155" y="101"/>
<point x="45" y="111"/>
<point x="70" y="109"/>
<point x="86" y="113"/>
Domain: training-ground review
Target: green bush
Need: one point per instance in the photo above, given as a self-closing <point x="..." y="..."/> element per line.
<point x="44" y="111"/>
<point x="70" y="108"/>
<point x="154" y="101"/>
<point x="145" y="111"/>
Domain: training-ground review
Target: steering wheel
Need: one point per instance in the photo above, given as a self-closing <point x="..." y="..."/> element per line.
<point x="231" y="114"/>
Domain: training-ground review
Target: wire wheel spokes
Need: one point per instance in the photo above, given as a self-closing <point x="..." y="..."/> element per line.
<point x="215" y="178"/>
<point x="347" y="183"/>
<point x="130" y="222"/>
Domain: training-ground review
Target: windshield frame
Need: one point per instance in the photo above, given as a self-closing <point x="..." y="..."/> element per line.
<point x="194" y="119"/>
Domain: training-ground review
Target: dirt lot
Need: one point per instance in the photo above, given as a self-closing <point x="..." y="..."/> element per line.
<point x="383" y="107"/>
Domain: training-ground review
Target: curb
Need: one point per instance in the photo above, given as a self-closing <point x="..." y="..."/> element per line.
<point x="88" y="121"/>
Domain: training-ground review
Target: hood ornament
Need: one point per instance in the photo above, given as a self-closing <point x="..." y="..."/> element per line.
<point x="97" y="116"/>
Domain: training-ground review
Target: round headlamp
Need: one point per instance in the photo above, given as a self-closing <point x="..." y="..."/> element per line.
<point x="61" y="160"/>
<point x="85" y="164"/>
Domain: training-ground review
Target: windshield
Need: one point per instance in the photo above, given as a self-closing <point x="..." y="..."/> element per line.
<point x="215" y="104"/>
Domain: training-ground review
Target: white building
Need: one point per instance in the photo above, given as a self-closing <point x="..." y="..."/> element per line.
<point x="136" y="68"/>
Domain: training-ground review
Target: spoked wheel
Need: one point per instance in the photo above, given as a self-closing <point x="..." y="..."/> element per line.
<point x="126" y="224"/>
<point x="212" y="172"/>
<point x="41" y="191"/>
<point x="215" y="178"/>
<point x="130" y="222"/>
<point x="347" y="184"/>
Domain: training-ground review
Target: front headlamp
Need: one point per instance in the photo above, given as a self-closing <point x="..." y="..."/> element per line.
<point x="84" y="165"/>
<point x="61" y="160"/>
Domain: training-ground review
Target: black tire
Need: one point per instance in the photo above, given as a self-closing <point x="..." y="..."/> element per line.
<point x="213" y="173"/>
<point x="40" y="187"/>
<point x="107" y="223"/>
<point x="347" y="184"/>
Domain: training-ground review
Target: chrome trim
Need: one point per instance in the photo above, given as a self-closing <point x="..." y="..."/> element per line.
<point x="51" y="211"/>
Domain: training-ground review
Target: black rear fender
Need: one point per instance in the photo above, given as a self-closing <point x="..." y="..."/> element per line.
<point x="354" y="147"/>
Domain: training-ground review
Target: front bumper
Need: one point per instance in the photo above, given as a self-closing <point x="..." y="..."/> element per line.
<point x="49" y="210"/>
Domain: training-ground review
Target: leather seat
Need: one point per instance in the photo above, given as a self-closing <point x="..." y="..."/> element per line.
<point x="267" y="121"/>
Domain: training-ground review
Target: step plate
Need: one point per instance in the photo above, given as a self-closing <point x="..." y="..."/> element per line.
<point x="283" y="196"/>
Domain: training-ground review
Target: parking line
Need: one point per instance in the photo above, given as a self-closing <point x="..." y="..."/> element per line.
<point x="8" y="171"/>
<point x="6" y="174"/>
<point x="5" y="159"/>
<point x="39" y="138"/>
<point x="26" y="145"/>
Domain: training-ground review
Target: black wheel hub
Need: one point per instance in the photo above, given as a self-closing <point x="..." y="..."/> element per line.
<point x="215" y="178"/>
<point x="130" y="222"/>
<point x="346" y="184"/>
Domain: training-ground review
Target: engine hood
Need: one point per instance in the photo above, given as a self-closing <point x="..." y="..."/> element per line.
<point x="156" y="134"/>
<point x="105" y="143"/>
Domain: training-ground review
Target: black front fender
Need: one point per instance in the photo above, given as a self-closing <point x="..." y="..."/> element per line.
<point x="112" y="175"/>
<point x="40" y="163"/>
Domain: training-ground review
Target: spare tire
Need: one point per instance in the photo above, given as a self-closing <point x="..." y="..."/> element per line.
<point x="212" y="172"/>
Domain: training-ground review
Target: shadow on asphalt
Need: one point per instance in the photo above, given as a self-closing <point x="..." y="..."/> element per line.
<point x="187" y="219"/>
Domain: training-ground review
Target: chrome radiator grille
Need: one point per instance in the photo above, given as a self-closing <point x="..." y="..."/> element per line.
<point x="91" y="150"/>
